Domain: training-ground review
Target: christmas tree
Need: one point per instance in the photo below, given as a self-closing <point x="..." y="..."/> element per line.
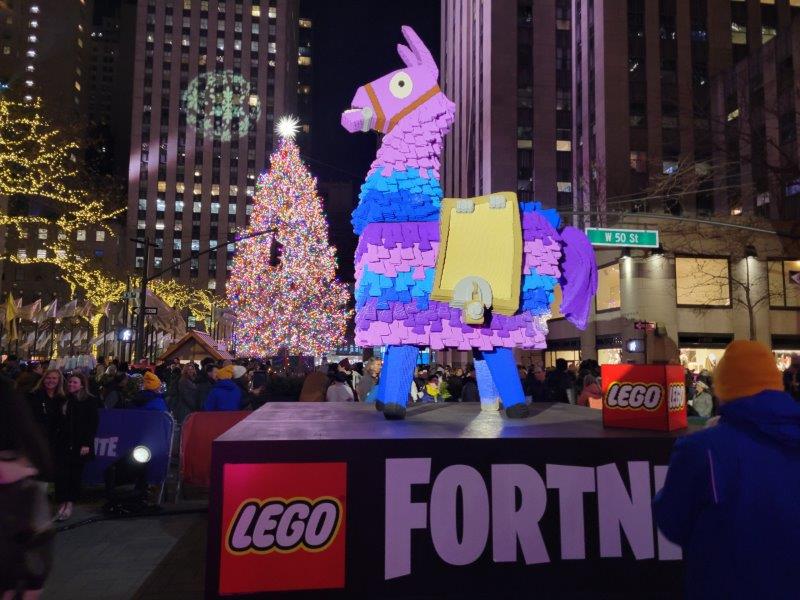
<point x="283" y="287"/>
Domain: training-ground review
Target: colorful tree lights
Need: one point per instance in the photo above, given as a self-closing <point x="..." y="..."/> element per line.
<point x="296" y="306"/>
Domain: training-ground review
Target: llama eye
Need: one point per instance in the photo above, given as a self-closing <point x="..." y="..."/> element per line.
<point x="400" y="85"/>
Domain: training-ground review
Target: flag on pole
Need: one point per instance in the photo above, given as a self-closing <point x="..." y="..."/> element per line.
<point x="11" y="318"/>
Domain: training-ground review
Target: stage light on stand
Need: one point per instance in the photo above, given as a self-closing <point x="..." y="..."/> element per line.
<point x="126" y="484"/>
<point x="141" y="454"/>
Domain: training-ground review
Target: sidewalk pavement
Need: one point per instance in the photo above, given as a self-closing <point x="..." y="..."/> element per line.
<point x="144" y="557"/>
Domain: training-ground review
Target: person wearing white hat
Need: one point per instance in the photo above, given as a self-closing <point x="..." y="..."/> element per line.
<point x="703" y="403"/>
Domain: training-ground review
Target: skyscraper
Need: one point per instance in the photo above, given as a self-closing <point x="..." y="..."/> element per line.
<point x="507" y="67"/>
<point x="643" y="106"/>
<point x="210" y="79"/>
<point x="43" y="52"/>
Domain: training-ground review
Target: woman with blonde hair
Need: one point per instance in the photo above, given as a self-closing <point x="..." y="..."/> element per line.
<point x="45" y="399"/>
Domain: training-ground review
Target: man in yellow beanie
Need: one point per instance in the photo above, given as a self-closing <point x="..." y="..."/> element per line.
<point x="150" y="397"/>
<point x="226" y="394"/>
<point x="731" y="498"/>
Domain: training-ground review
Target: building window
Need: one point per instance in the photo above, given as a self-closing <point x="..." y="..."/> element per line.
<point x="784" y="283"/>
<point x="42" y="233"/>
<point x="100" y="236"/>
<point x="41" y="253"/>
<point x="702" y="281"/>
<point x="639" y="161"/>
<point x="608" y="292"/>
<point x="22" y="253"/>
<point x="81" y="235"/>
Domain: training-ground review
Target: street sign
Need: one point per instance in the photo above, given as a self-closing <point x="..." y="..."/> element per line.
<point x="132" y="295"/>
<point x="623" y="238"/>
<point x="644" y="325"/>
<point x="148" y="310"/>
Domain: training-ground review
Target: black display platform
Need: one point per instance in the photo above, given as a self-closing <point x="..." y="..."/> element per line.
<point x="332" y="499"/>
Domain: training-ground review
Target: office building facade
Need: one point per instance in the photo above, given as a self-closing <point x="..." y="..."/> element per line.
<point x="507" y="66"/>
<point x="210" y="79"/>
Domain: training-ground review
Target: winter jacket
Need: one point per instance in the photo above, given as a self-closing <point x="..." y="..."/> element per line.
<point x="75" y="427"/>
<point x="150" y="400"/>
<point x="559" y="384"/>
<point x="731" y="498"/>
<point x="339" y="392"/>
<point x="590" y="391"/>
<point x="703" y="404"/>
<point x="225" y="395"/>
<point x="469" y="392"/>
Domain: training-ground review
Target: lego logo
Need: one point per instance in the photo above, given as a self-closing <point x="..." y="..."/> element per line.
<point x="677" y="396"/>
<point x="634" y="395"/>
<point x="284" y="525"/>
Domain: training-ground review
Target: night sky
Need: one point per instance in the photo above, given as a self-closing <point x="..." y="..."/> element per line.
<point x="355" y="42"/>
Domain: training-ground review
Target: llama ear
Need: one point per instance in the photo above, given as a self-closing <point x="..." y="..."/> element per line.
<point x="424" y="57"/>
<point x="407" y="55"/>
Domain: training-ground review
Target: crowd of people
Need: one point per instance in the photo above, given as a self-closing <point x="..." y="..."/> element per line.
<point x="746" y="463"/>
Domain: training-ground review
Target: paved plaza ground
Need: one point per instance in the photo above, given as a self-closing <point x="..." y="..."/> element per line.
<point x="145" y="558"/>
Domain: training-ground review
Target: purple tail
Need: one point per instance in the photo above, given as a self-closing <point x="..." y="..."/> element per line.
<point x="578" y="276"/>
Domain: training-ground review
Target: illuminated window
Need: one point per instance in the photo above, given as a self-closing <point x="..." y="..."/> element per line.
<point x="77" y="86"/>
<point x="196" y="207"/>
<point x="179" y="187"/>
<point x="215" y="189"/>
<point x="6" y="50"/>
<point x="272" y="13"/>
<point x="784" y="283"/>
<point x="702" y="281"/>
<point x="178" y="206"/>
<point x="42" y="233"/>
<point x="22" y="253"/>
<point x="34" y="24"/>
<point x="81" y="235"/>
<point x="160" y="225"/>
<point x="32" y="39"/>
<point x="34" y="9"/>
<point x="99" y="236"/>
<point x="564" y="186"/>
<point x="215" y="208"/>
<point x="212" y="284"/>
<point x="256" y="11"/>
<point x="61" y="236"/>
<point x="31" y="53"/>
<point x="231" y="209"/>
<point x="305" y="23"/>
<point x="563" y="145"/>
<point x="608" y="292"/>
<point x="196" y="245"/>
<point x="639" y="161"/>
<point x="303" y="60"/>
<point x="41" y="253"/>
<point x="23" y="235"/>
<point x="734" y="114"/>
<point x="160" y="205"/>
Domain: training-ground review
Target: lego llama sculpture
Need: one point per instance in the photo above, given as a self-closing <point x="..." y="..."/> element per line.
<point x="415" y="284"/>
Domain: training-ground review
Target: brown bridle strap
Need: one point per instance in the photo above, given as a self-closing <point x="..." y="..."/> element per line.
<point x="373" y="98"/>
<point x="413" y="106"/>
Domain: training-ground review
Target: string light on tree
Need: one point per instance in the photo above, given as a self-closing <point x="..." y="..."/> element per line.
<point x="296" y="305"/>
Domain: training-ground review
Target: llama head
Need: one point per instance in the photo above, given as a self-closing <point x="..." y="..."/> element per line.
<point x="382" y="103"/>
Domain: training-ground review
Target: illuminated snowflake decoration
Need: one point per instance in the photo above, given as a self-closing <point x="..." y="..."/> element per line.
<point x="221" y="105"/>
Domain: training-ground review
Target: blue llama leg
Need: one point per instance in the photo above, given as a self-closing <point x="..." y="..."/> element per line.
<point x="381" y="393"/>
<point x="490" y="398"/>
<point x="398" y="372"/>
<point x="506" y="378"/>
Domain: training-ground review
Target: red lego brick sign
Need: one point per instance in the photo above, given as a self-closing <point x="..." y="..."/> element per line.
<point x="644" y="397"/>
<point x="283" y="527"/>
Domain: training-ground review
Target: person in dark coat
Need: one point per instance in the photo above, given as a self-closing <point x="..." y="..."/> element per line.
<point x="205" y="382"/>
<point x="559" y="383"/>
<point x="28" y="379"/>
<point x="455" y="384"/>
<point x="732" y="491"/>
<point x="26" y="533"/>
<point x="74" y="431"/>
<point x="226" y="394"/>
<point x="150" y="397"/>
<point x="536" y="385"/>
<point x="45" y="401"/>
<point x="469" y="391"/>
